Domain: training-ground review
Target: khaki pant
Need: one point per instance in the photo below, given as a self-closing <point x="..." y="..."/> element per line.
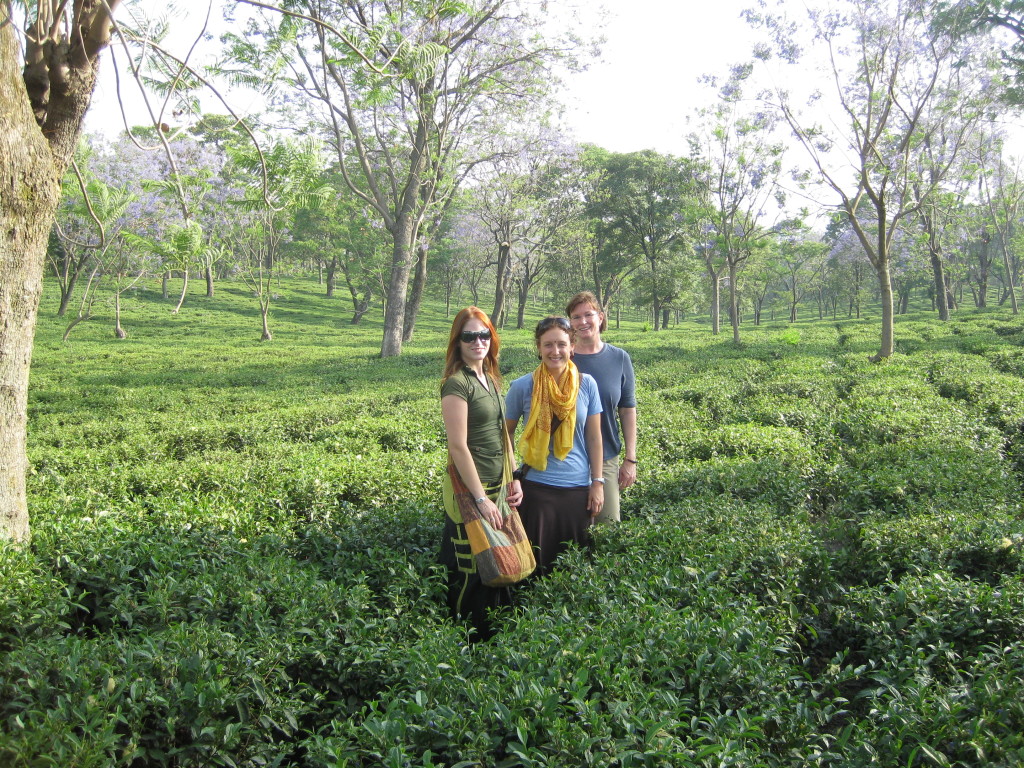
<point x="610" y="511"/>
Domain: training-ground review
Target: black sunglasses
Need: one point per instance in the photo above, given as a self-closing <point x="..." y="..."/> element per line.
<point x="470" y="336"/>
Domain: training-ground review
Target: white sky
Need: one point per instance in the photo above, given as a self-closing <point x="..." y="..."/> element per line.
<point x="639" y="95"/>
<point x="636" y="97"/>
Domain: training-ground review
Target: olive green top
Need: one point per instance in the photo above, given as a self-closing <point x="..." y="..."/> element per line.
<point x="485" y="428"/>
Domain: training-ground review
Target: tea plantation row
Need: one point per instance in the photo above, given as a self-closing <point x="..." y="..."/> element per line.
<point x="234" y="546"/>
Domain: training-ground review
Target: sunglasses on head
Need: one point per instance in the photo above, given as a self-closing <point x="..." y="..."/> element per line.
<point x="470" y="336"/>
<point x="550" y="322"/>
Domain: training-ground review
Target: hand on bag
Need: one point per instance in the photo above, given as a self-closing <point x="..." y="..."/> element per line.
<point x="515" y="493"/>
<point x="490" y="512"/>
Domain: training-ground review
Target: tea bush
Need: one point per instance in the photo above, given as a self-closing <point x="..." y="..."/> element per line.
<point x="234" y="553"/>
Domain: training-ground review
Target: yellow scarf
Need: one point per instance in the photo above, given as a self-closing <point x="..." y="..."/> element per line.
<point x="550" y="398"/>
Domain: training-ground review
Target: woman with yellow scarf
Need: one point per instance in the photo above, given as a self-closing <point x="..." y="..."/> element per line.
<point x="561" y="445"/>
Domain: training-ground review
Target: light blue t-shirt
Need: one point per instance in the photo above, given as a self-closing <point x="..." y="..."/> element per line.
<point x="574" y="470"/>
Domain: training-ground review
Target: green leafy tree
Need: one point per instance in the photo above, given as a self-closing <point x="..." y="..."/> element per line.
<point x="293" y="181"/>
<point x="801" y="259"/>
<point x="653" y="209"/>
<point x="742" y="162"/>
<point x="897" y="81"/>
<point x="399" y="87"/>
<point x="602" y="260"/>
<point x="80" y="228"/>
<point x="107" y="207"/>
<point x="1001" y="188"/>
<point x="980" y="18"/>
<point x="180" y="247"/>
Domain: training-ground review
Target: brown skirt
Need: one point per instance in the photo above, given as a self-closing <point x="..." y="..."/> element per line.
<point x="554" y="518"/>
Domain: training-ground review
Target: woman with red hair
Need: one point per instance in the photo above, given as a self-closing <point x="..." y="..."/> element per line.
<point x="479" y="448"/>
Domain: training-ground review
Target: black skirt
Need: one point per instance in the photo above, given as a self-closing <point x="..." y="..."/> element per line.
<point x="554" y="518"/>
<point x="469" y="599"/>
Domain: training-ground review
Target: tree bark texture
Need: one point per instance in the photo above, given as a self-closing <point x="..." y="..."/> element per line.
<point x="501" y="283"/>
<point x="716" y="310"/>
<point x="419" y="282"/>
<point x="43" y="99"/>
<point x="885" y="292"/>
<point x="398" y="284"/>
<point x="734" y="305"/>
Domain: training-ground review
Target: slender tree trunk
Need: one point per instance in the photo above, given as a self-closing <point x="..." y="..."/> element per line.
<point x="501" y="280"/>
<point x="164" y="281"/>
<point x="331" y="269"/>
<point x="360" y="306"/>
<point x="885" y="291"/>
<point x="265" y="315"/>
<point x="208" y="271"/>
<point x="904" y="301"/>
<point x="184" y="290"/>
<point x="939" y="277"/>
<point x="119" y="332"/>
<point x="1009" y="276"/>
<point x="524" y="297"/>
<point x="419" y="282"/>
<point x="716" y="310"/>
<point x="734" y="313"/>
<point x="67" y="290"/>
<point x="405" y="231"/>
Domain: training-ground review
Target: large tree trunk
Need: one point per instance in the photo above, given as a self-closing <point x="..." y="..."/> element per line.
<point x="29" y="192"/>
<point x="43" y="99"/>
<point x="398" y="284"/>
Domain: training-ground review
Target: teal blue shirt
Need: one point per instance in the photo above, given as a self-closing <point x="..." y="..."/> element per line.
<point x="612" y="369"/>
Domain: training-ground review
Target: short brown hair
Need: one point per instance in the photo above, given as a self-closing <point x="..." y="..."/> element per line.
<point x="586" y="297"/>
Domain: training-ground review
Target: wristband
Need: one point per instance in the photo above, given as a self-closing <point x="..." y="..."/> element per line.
<point x="630" y="461"/>
<point x="600" y="480"/>
<point x="480" y="501"/>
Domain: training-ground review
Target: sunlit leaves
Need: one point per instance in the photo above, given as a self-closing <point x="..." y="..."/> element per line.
<point x="180" y="247"/>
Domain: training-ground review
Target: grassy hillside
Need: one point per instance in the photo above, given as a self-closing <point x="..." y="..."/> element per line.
<point x="234" y="542"/>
